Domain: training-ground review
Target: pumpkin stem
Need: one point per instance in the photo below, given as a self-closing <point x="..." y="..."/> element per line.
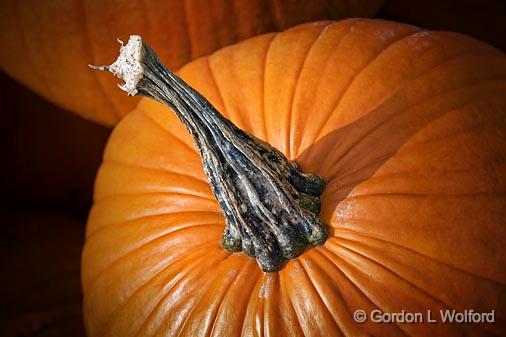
<point x="270" y="207"/>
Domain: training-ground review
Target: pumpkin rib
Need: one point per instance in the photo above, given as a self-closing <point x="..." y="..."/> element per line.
<point x="446" y="137"/>
<point x="411" y="80"/>
<point x="455" y="88"/>
<point x="219" y="300"/>
<point x="166" y="182"/>
<point x="300" y="319"/>
<point x="152" y="193"/>
<point x="272" y="305"/>
<point x="157" y="240"/>
<point x="303" y="261"/>
<point x="271" y="308"/>
<point x="481" y="128"/>
<point x="272" y="114"/>
<point x="336" y="172"/>
<point x="309" y="262"/>
<point x="162" y="219"/>
<point x="348" y="327"/>
<point x="199" y="178"/>
<point x="191" y="148"/>
<point x="188" y="263"/>
<point x="387" y="269"/>
<point x="392" y="261"/>
<point x="355" y="235"/>
<point x="296" y="142"/>
<point x="264" y="305"/>
<point x="290" y="305"/>
<point x="411" y="146"/>
<point x="249" y="264"/>
<point x="227" y="110"/>
<point x="166" y="193"/>
<point x="205" y="286"/>
<point x="366" y="248"/>
<point x="471" y="266"/>
<point x="148" y="216"/>
<point x="351" y="23"/>
<point x="264" y="68"/>
<point x="255" y="309"/>
<point x="356" y="75"/>
<point x="418" y="77"/>
<point x="193" y="261"/>
<point x="203" y="262"/>
<point x="215" y="83"/>
<point x="135" y="246"/>
<point x="142" y="244"/>
<point x="168" y="201"/>
<point x="325" y="252"/>
<point x="404" y="280"/>
<point x="354" y="183"/>
<point x="164" y="237"/>
<point x="295" y="148"/>
<point x="413" y="251"/>
<point x="311" y="284"/>
<point x="289" y="133"/>
<point x="346" y="273"/>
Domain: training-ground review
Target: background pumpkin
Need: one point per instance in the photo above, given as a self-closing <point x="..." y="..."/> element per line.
<point x="408" y="129"/>
<point x="46" y="45"/>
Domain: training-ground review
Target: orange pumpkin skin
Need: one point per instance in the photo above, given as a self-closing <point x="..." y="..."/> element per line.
<point x="407" y="128"/>
<point x="46" y="45"/>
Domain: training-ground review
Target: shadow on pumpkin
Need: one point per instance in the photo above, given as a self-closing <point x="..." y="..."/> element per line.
<point x="352" y="154"/>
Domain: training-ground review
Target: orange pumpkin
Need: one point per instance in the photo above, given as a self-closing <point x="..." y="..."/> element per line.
<point x="46" y="45"/>
<point x="407" y="128"/>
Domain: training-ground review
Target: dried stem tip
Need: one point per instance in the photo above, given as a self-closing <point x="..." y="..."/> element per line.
<point x="128" y="66"/>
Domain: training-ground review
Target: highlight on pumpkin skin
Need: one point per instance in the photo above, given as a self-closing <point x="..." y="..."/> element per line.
<point x="271" y="208"/>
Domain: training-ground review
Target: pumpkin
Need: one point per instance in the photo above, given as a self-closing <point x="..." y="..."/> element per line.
<point x="483" y="19"/>
<point x="406" y="127"/>
<point x="46" y="45"/>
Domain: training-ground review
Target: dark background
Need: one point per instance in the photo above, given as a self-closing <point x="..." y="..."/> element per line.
<point x="48" y="163"/>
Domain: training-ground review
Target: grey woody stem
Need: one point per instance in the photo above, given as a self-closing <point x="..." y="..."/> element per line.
<point x="271" y="208"/>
